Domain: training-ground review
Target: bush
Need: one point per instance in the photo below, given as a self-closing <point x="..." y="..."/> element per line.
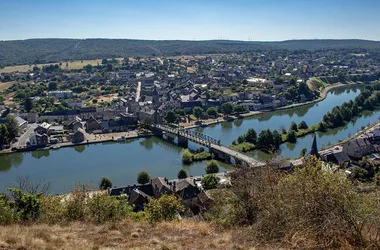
<point x="182" y="174"/>
<point x="302" y="125"/>
<point x="165" y="208"/>
<point x="53" y="211"/>
<point x="105" y="183"/>
<point x="143" y="177"/>
<point x="209" y="182"/>
<point x="103" y="207"/>
<point x="212" y="167"/>
<point x="7" y="214"/>
<point x="292" y="136"/>
<point x="187" y="156"/>
<point x="75" y="203"/>
<point x="27" y="205"/>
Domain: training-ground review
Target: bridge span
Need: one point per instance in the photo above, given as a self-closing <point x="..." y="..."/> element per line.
<point x="215" y="146"/>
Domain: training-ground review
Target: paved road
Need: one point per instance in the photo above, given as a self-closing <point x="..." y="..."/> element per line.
<point x="138" y="91"/>
<point x="25" y="137"/>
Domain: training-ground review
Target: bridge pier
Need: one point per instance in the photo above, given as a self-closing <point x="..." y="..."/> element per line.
<point x="183" y="142"/>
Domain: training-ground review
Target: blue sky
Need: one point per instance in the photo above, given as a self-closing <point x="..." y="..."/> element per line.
<point x="258" y="20"/>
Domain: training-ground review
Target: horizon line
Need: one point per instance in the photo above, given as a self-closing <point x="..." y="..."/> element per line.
<point x="192" y="40"/>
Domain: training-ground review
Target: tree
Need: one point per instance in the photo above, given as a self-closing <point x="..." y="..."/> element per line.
<point x="303" y="125"/>
<point x="197" y="111"/>
<point x="88" y="68"/>
<point x="165" y="208"/>
<point x="209" y="182"/>
<point x="12" y="126"/>
<point x="277" y="139"/>
<point x="27" y="205"/>
<point x="171" y="117"/>
<point x="239" y="108"/>
<point x="293" y="126"/>
<point x="3" y="135"/>
<point x="104" y="61"/>
<point x="105" y="183"/>
<point x="109" y="67"/>
<point x="52" y="85"/>
<point x="292" y="136"/>
<point x="303" y="152"/>
<point x="251" y="136"/>
<point x="227" y="108"/>
<point x="182" y="174"/>
<point x="28" y="104"/>
<point x="212" y="112"/>
<point x="212" y="167"/>
<point x="143" y="177"/>
<point x="146" y="123"/>
<point x="29" y="186"/>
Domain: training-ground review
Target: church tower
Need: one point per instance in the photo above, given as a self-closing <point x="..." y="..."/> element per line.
<point x="314" y="148"/>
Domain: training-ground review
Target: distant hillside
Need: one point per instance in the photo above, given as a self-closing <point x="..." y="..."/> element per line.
<point x="53" y="50"/>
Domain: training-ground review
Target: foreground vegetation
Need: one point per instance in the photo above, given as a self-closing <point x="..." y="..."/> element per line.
<point x="310" y="208"/>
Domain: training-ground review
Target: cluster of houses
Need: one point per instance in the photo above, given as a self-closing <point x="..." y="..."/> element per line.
<point x="191" y="194"/>
<point x="354" y="149"/>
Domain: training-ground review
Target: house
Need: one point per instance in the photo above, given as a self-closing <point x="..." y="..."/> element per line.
<point x="55" y="129"/>
<point x="63" y="94"/>
<point x="42" y="128"/>
<point x="339" y="157"/>
<point x="93" y="124"/>
<point x="78" y="136"/>
<point x="38" y="140"/>
<point x="357" y="148"/>
<point x="75" y="124"/>
<point x="186" y="188"/>
<point x="21" y="123"/>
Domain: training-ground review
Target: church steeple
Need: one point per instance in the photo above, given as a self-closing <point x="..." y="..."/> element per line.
<point x="314" y="148"/>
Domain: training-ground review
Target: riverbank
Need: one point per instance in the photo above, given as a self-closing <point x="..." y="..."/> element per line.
<point x="323" y="96"/>
<point x="92" y="139"/>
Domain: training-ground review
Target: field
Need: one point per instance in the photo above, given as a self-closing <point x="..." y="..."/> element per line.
<point x="123" y="235"/>
<point x="5" y="85"/>
<point x="78" y="64"/>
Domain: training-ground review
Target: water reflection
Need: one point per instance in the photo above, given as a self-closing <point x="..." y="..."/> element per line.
<point x="38" y="154"/>
<point x="9" y="161"/>
<point x="80" y="148"/>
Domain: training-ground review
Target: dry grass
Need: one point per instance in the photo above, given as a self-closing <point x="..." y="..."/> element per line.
<point x="77" y="64"/>
<point x="5" y="85"/>
<point x="185" y="234"/>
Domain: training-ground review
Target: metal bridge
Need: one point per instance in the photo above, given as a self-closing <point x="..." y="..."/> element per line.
<point x="210" y="142"/>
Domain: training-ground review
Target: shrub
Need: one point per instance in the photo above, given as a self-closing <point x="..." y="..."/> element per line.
<point x="212" y="167"/>
<point x="292" y="136"/>
<point x="187" y="156"/>
<point x="105" y="183"/>
<point x="143" y="177"/>
<point x="52" y="209"/>
<point x="75" y="203"/>
<point x="27" y="205"/>
<point x="165" y="208"/>
<point x="7" y="214"/>
<point x="182" y="174"/>
<point x="209" y="182"/>
<point x="102" y="207"/>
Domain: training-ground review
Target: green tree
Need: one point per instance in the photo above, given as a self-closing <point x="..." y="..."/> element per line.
<point x="187" y="156"/>
<point x="28" y="104"/>
<point x="105" y="183"/>
<point x="3" y="135"/>
<point x="292" y="136"/>
<point x="52" y="85"/>
<point x="227" y="108"/>
<point x="182" y="174"/>
<point x="197" y="111"/>
<point x="212" y="112"/>
<point x="209" y="182"/>
<point x="303" y="152"/>
<point x="212" y="167"/>
<point x="303" y="125"/>
<point x="88" y="68"/>
<point x="166" y="208"/>
<point x="251" y="136"/>
<point x="171" y="116"/>
<point x="239" y="109"/>
<point x="12" y="126"/>
<point x="277" y="139"/>
<point x="293" y="126"/>
<point x="143" y="177"/>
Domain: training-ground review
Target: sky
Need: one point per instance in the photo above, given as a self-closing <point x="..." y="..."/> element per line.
<point x="256" y="20"/>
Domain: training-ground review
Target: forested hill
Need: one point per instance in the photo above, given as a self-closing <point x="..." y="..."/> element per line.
<point x="53" y="50"/>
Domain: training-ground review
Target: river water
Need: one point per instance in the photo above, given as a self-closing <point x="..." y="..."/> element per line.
<point x="121" y="162"/>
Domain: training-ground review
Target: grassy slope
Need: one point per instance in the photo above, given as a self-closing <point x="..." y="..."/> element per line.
<point x="187" y="234"/>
